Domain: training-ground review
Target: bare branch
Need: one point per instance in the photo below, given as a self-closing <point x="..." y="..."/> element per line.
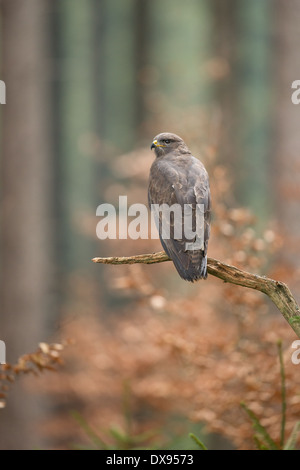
<point x="277" y="291"/>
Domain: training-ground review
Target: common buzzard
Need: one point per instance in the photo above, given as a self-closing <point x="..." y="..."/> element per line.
<point x="176" y="177"/>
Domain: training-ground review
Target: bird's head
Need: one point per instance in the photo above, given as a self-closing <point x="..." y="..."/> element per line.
<point x="167" y="142"/>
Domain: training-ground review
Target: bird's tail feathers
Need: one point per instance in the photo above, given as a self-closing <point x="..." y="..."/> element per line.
<point x="194" y="271"/>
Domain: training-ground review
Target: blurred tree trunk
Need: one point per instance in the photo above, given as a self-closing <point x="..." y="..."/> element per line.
<point x="253" y="95"/>
<point x="180" y="48"/>
<point x="76" y="138"/>
<point x="224" y="38"/>
<point x="98" y="58"/>
<point x="243" y="57"/>
<point x="26" y="257"/>
<point x="141" y="44"/>
<point x="286" y="170"/>
<point x="118" y="74"/>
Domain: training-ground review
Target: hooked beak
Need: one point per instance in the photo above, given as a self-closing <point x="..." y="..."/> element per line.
<point x="156" y="144"/>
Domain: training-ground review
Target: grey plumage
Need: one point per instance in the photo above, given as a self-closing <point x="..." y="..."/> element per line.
<point x="176" y="177"/>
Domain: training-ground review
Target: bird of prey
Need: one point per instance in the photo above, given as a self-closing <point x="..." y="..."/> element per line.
<point x="176" y="177"/>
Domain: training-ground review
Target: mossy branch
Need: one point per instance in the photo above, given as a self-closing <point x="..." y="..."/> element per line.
<point x="277" y="291"/>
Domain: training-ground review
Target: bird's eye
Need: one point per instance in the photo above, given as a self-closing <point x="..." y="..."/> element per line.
<point x="167" y="141"/>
